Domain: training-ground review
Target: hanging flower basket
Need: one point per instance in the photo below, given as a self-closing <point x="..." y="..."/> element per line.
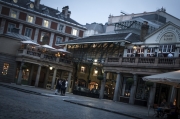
<point x="130" y="81"/>
<point x="100" y="77"/>
<point x="149" y="84"/>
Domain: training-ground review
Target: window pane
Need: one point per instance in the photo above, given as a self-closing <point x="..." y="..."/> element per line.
<point x="5" y="69"/>
<point x="10" y="27"/>
<point x="13" y="14"/>
<point x="74" y="32"/>
<point x="61" y="27"/>
<point x="42" y="35"/>
<point x="28" y="32"/>
<point x="46" y="23"/>
<point x="58" y="40"/>
<point x="30" y="19"/>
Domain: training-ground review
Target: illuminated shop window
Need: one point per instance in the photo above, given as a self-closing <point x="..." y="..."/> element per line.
<point x="5" y="69"/>
<point x="83" y="69"/>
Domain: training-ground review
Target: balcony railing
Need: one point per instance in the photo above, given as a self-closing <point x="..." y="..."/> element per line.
<point x="43" y="56"/>
<point x="143" y="61"/>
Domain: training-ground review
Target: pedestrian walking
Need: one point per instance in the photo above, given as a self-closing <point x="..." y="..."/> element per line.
<point x="58" y="86"/>
<point x="63" y="87"/>
<point x="66" y="84"/>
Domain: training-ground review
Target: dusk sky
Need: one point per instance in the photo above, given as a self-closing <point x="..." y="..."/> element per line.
<point x="89" y="11"/>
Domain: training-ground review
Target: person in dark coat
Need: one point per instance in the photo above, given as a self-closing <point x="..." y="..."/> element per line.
<point x="58" y="86"/>
<point x="63" y="87"/>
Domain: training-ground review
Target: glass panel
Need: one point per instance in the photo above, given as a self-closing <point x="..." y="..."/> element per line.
<point x="82" y="69"/>
<point x="28" y="32"/>
<point x="5" y="69"/>
<point x="30" y="19"/>
<point x="58" y="40"/>
<point x="74" y="32"/>
<point x="46" y="23"/>
<point x="13" y="14"/>
<point x="10" y="27"/>
<point x="142" y="91"/>
<point x="42" y="35"/>
<point x="61" y="27"/>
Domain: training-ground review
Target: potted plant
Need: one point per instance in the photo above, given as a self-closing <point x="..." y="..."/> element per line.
<point x="130" y="81"/>
<point x="100" y="77"/>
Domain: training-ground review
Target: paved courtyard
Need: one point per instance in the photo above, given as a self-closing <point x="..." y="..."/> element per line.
<point x="19" y="105"/>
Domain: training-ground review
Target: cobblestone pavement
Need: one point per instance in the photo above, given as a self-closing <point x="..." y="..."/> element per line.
<point x="18" y="105"/>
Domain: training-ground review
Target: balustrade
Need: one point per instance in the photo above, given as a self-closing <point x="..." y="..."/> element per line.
<point x="43" y="56"/>
<point x="146" y="61"/>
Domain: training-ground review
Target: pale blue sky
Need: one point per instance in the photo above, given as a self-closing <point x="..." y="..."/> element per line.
<point x="89" y="11"/>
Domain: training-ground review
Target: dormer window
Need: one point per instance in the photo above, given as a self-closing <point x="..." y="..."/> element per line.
<point x="31" y="5"/>
<point x="15" y="1"/>
<point x="45" y="10"/>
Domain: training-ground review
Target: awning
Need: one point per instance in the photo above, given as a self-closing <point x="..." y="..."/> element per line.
<point x="47" y="47"/>
<point x="29" y="42"/>
<point x="170" y="78"/>
<point x="60" y="50"/>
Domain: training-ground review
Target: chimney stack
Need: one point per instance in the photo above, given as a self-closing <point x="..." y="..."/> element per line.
<point x="36" y="3"/>
<point x="66" y="12"/>
<point x="144" y="30"/>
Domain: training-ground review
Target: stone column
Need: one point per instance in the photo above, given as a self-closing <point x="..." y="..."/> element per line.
<point x="51" y="39"/>
<point x="125" y="53"/>
<point x="54" y="78"/>
<point x="124" y="87"/>
<point x="36" y="35"/>
<point x="103" y="82"/>
<point x="20" y="74"/>
<point x="37" y="76"/>
<point x="46" y="78"/>
<point x="69" y="82"/>
<point x="152" y="95"/>
<point x="133" y="90"/>
<point x="173" y="94"/>
<point x="31" y="75"/>
<point x="118" y="85"/>
<point x="3" y="21"/>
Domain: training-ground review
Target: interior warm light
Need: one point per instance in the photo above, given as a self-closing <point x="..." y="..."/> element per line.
<point x="95" y="60"/>
<point x="134" y="47"/>
<point x="50" y="68"/>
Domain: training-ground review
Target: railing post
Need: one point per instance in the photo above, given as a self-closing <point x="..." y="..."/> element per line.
<point x="136" y="60"/>
<point x="57" y="59"/>
<point x="156" y="61"/>
<point x="177" y="62"/>
<point x="120" y="60"/>
<point x="106" y="60"/>
<point x="24" y="51"/>
<point x="42" y="55"/>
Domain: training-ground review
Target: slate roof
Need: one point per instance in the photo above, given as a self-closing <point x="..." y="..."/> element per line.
<point x="102" y="38"/>
<point x="52" y="11"/>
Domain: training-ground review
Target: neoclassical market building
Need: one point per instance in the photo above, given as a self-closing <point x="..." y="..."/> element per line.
<point x="128" y="55"/>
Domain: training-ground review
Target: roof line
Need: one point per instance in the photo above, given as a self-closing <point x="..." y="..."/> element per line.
<point x="94" y="42"/>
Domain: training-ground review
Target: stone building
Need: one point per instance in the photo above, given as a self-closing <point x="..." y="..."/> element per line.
<point x="27" y="20"/>
<point x="130" y="53"/>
